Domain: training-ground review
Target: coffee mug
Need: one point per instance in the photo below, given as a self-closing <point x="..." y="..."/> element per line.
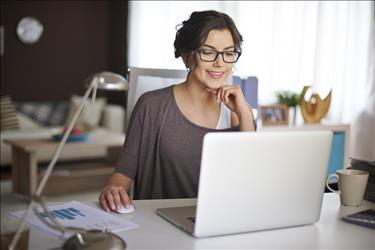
<point x="352" y="186"/>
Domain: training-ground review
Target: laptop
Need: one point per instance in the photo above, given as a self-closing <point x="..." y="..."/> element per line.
<point x="256" y="181"/>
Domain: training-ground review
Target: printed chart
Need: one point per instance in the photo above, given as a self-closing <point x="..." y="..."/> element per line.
<point x="79" y="215"/>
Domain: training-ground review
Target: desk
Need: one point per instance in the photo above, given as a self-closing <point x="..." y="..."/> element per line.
<point x="155" y="232"/>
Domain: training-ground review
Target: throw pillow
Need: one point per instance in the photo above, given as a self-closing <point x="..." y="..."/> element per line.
<point x="91" y="113"/>
<point x="46" y="113"/>
<point x="26" y="122"/>
<point x="9" y="120"/>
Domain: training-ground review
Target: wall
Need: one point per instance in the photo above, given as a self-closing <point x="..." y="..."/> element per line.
<point x="80" y="38"/>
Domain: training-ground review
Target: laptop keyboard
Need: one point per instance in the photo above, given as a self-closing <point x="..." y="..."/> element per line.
<point x="364" y="218"/>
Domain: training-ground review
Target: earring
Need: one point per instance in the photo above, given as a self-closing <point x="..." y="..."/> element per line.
<point x="188" y="69"/>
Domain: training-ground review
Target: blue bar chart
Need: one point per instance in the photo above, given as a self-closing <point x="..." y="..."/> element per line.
<point x="69" y="213"/>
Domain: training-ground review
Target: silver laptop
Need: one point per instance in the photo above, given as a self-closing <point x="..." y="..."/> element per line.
<point x="256" y="181"/>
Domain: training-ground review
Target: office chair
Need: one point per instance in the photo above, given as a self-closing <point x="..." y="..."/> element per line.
<point x="249" y="88"/>
<point x="142" y="80"/>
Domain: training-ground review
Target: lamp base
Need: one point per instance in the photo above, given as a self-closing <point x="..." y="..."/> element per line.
<point x="95" y="239"/>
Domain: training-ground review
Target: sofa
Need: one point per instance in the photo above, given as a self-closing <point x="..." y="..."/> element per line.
<point x="42" y="120"/>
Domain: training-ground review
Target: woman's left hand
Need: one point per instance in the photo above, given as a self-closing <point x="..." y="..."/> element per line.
<point x="232" y="97"/>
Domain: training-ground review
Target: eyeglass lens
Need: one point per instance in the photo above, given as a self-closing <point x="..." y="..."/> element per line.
<point x="211" y="55"/>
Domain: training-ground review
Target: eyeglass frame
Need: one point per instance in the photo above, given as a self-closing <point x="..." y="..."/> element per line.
<point x="217" y="54"/>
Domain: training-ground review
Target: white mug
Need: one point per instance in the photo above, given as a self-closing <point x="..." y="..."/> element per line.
<point x="352" y="186"/>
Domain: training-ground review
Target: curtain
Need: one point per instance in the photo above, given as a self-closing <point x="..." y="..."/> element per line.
<point x="287" y="45"/>
<point x="363" y="125"/>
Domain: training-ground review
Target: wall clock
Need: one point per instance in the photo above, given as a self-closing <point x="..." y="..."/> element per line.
<point x="29" y="30"/>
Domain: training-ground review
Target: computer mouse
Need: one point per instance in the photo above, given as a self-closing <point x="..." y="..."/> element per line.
<point x="124" y="210"/>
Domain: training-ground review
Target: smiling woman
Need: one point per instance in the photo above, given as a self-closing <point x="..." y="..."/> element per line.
<point x="288" y="44"/>
<point x="162" y="151"/>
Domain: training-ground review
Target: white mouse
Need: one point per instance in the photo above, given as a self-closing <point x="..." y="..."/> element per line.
<point x="124" y="210"/>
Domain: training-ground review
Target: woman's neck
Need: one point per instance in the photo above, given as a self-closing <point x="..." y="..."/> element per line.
<point x="197" y="93"/>
<point x="197" y="104"/>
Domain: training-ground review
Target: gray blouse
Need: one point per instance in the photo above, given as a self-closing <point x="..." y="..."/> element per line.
<point x="162" y="150"/>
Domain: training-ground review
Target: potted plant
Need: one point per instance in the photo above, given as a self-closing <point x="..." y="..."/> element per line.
<point x="291" y="99"/>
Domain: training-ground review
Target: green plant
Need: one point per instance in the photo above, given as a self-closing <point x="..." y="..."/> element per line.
<point x="289" y="98"/>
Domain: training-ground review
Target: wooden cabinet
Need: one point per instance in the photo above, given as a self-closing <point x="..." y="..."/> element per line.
<point x="340" y="144"/>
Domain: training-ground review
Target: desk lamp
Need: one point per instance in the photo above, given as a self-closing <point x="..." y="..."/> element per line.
<point x="82" y="239"/>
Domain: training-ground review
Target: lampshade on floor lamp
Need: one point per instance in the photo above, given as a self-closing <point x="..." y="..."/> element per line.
<point x="82" y="239"/>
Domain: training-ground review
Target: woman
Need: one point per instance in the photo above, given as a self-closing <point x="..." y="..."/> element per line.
<point x="162" y="151"/>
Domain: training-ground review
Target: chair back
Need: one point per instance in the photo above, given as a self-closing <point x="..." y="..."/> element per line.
<point x="142" y="80"/>
<point x="249" y="88"/>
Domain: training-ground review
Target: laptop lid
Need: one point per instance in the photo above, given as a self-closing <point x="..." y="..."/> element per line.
<point x="257" y="181"/>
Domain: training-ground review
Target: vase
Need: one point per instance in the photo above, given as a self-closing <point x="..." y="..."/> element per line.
<point x="293" y="115"/>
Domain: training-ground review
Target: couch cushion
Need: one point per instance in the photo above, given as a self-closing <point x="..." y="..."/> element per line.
<point x="26" y="122"/>
<point x="46" y="113"/>
<point x="8" y="117"/>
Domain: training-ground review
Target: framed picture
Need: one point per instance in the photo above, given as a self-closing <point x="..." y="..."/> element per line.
<point x="277" y="114"/>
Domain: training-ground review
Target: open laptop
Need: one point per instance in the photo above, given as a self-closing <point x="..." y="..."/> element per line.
<point x="256" y="181"/>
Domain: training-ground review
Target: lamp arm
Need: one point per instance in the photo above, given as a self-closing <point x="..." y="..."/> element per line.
<point x="93" y="86"/>
<point x="58" y="150"/>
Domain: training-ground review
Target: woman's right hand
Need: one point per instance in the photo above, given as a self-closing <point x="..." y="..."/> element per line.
<point x="113" y="197"/>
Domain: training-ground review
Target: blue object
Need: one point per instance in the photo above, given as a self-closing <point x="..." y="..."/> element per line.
<point x="249" y="88"/>
<point x="65" y="213"/>
<point x="336" y="160"/>
<point x="72" y="138"/>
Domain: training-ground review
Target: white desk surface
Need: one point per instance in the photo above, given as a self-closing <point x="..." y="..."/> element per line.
<point x="156" y="233"/>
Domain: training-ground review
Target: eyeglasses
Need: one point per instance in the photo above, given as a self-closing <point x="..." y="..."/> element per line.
<point x="209" y="55"/>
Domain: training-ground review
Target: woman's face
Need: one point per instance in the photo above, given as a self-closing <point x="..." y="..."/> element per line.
<point x="213" y="74"/>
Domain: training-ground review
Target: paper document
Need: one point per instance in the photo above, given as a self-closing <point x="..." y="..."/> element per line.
<point x="77" y="214"/>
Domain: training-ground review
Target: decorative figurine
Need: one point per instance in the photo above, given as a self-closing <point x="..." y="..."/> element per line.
<point x="315" y="108"/>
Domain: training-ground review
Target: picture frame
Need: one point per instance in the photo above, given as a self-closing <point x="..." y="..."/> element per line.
<point x="277" y="114"/>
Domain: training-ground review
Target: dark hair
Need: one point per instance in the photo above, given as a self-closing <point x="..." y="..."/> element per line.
<point x="194" y="31"/>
